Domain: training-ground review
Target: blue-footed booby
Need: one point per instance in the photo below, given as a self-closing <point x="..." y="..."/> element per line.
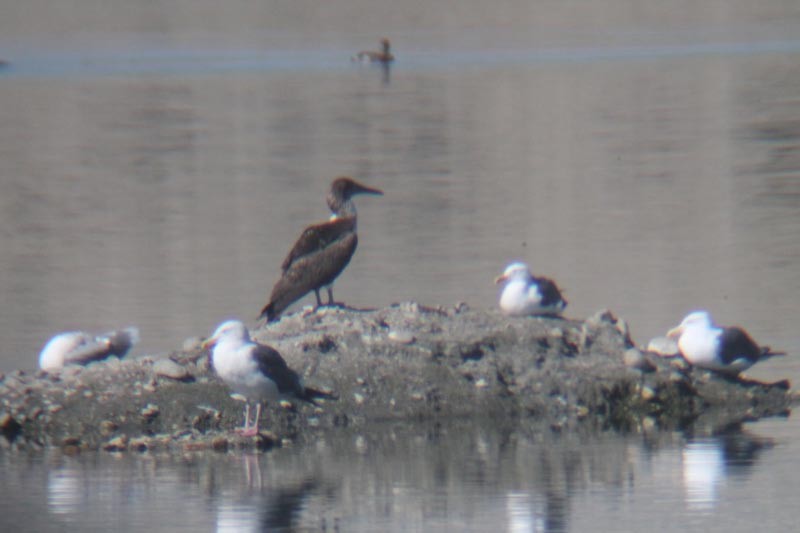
<point x="524" y="294"/>
<point x="728" y="350"/>
<point x="370" y="56"/>
<point x="79" y="347"/>
<point x="321" y="253"/>
<point x="255" y="371"/>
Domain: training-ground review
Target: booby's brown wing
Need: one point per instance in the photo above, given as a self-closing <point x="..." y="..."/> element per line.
<point x="272" y="365"/>
<point x="317" y="237"/>
<point x="310" y="272"/>
<point x="735" y="343"/>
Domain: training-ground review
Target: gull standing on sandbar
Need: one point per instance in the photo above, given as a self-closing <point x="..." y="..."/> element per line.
<point x="255" y="371"/>
<point x="525" y="294"/>
<point x="321" y="253"/>
<point x="79" y="347"/>
<point x="728" y="350"/>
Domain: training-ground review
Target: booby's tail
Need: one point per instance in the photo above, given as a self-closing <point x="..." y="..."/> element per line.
<point x="268" y="313"/>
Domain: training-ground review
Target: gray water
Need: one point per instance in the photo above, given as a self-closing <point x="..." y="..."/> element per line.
<point x="159" y="159"/>
<point x="428" y="478"/>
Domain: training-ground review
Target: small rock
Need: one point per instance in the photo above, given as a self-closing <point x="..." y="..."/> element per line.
<point x="623" y="328"/>
<point x="663" y="347"/>
<point x="647" y="393"/>
<point x="410" y="308"/>
<point x="150" y="386"/>
<point x="150" y="411"/>
<point x="170" y="369"/>
<point x="634" y="358"/>
<point x="107" y="428"/>
<point x="71" y="445"/>
<point x="481" y="383"/>
<point x="192" y="344"/>
<point x="140" y="444"/>
<point x="117" y="444"/>
<point x="194" y="446"/>
<point x="204" y="364"/>
<point x="359" y="398"/>
<point x="599" y="318"/>
<point x="401" y="336"/>
<point x="457" y="309"/>
<point x="286" y="404"/>
<point x="9" y="427"/>
<point x="220" y="444"/>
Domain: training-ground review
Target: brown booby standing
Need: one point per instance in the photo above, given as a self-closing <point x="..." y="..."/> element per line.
<point x="321" y="253"/>
<point x="383" y="57"/>
<point x="255" y="371"/>
<point x="728" y="350"/>
<point x="524" y="294"/>
<point x="79" y="347"/>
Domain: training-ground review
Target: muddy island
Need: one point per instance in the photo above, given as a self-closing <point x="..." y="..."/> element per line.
<point x="404" y="363"/>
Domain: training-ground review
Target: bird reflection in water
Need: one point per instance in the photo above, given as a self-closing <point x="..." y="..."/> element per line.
<point x="709" y="461"/>
<point x="263" y="506"/>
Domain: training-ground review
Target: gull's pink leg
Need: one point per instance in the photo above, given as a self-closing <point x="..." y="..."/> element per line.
<point x="244" y="429"/>
<point x="252" y="431"/>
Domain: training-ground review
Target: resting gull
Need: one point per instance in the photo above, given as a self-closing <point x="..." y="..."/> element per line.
<point x="729" y="350"/>
<point x="524" y="294"/>
<point x="79" y="347"/>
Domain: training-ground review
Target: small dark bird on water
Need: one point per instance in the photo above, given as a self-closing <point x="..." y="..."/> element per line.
<point x="370" y="56"/>
<point x="321" y="253"/>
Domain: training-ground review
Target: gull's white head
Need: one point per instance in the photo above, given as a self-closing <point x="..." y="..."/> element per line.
<point x="514" y="271"/>
<point x="230" y="331"/>
<point x="695" y="319"/>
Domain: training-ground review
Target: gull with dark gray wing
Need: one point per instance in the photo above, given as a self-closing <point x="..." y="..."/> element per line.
<point x="728" y="350"/>
<point x="255" y="371"/>
<point x="524" y="294"/>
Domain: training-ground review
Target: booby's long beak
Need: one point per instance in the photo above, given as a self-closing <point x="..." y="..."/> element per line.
<point x="363" y="189"/>
<point x="675" y="332"/>
<point x="500" y="279"/>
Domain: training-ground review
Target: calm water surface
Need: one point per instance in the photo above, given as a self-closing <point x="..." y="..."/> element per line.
<point x="158" y="161"/>
<point x="451" y="477"/>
